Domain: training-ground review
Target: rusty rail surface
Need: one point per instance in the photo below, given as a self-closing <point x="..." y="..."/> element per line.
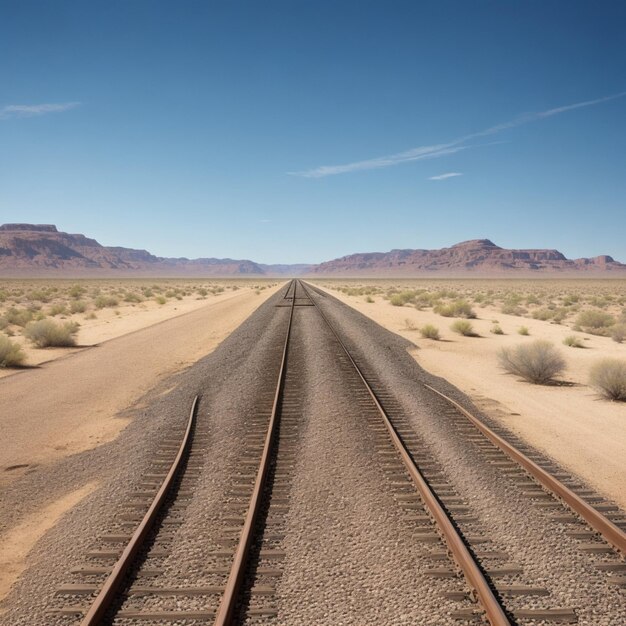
<point x="115" y="580"/>
<point x="228" y="604"/>
<point x="471" y="570"/>
<point x="599" y="522"/>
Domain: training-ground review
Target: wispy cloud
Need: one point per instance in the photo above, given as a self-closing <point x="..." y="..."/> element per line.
<point x="444" y="176"/>
<point x="451" y="147"/>
<point x="35" y="110"/>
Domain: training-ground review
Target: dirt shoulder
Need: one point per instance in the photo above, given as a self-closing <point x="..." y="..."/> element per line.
<point x="73" y="404"/>
<point x="570" y="423"/>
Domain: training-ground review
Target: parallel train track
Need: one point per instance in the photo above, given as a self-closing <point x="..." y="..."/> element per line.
<point x="260" y="499"/>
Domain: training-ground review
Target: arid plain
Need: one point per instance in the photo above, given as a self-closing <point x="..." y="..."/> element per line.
<point x="569" y="420"/>
<point x="73" y="407"/>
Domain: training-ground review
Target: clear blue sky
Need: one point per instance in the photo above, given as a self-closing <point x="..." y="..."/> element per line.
<point x="295" y="131"/>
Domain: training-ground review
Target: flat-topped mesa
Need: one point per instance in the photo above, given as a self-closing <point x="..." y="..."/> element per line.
<point x="39" y="228"/>
<point x="476" y="243"/>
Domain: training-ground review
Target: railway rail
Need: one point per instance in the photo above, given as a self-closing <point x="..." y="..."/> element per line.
<point x="259" y="501"/>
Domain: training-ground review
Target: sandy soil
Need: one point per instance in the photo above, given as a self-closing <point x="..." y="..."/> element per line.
<point x="72" y="404"/>
<point x="18" y="541"/>
<point x="572" y="424"/>
<point x="111" y="323"/>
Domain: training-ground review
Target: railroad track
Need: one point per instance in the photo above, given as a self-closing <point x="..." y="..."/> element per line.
<point x="483" y="565"/>
<point x="249" y="563"/>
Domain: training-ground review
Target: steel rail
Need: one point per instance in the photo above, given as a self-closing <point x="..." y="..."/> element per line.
<point x="471" y="570"/>
<point x="226" y="610"/>
<point x="600" y="523"/>
<point x="116" y="578"/>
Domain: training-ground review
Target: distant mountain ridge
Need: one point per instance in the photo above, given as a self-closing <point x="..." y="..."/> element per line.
<point x="477" y="256"/>
<point x="34" y="249"/>
<point x="41" y="250"/>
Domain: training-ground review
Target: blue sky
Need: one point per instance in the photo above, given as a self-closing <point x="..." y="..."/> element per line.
<point x="295" y="131"/>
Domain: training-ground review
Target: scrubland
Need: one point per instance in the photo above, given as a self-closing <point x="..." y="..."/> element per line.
<point x="43" y="319"/>
<point x="545" y="357"/>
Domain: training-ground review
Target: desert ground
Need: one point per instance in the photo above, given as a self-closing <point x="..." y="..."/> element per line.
<point x="343" y="517"/>
<point x="102" y="309"/>
<point x="78" y="398"/>
<point x="570" y="421"/>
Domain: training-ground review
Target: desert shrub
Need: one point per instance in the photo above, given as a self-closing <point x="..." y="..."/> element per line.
<point x="428" y="331"/>
<point x="160" y="299"/>
<point x="130" y="296"/>
<point x="40" y="295"/>
<point x="594" y="319"/>
<point x="76" y="291"/>
<point x="57" y="309"/>
<point x="609" y="377"/>
<point x="409" y="325"/>
<point x="559" y="314"/>
<point x="47" y="333"/>
<point x="203" y="292"/>
<point x="512" y="309"/>
<point x="463" y="327"/>
<point x="542" y="314"/>
<point x="400" y="299"/>
<point x="102" y="302"/>
<point x="396" y="300"/>
<point x="18" y="317"/>
<point x="497" y="330"/>
<point x="573" y="342"/>
<point x="523" y="330"/>
<point x="78" y="306"/>
<point x="10" y="353"/>
<point x="369" y="299"/>
<point x="91" y="316"/>
<point x="618" y="332"/>
<point x="458" y="308"/>
<point x="537" y="362"/>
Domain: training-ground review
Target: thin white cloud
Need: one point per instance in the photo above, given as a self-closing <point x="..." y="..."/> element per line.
<point x="35" y="110"/>
<point x="416" y="154"/>
<point x="444" y="176"/>
<point x="444" y="149"/>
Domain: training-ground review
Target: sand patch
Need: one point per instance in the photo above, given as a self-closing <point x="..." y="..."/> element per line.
<point x="73" y="404"/>
<point x="17" y="542"/>
<point x="571" y="424"/>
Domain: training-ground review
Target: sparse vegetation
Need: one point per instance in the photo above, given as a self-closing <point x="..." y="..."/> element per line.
<point x="11" y="354"/>
<point x="47" y="333"/>
<point x="523" y="330"/>
<point x="18" y="317"/>
<point x="573" y="342"/>
<point x="429" y="331"/>
<point x="618" y="333"/>
<point x="608" y="376"/>
<point x="595" y="321"/>
<point x="463" y="327"/>
<point x="537" y="362"/>
<point x="458" y="308"/>
<point x="78" y="306"/>
<point x="103" y="301"/>
<point x="496" y="330"/>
